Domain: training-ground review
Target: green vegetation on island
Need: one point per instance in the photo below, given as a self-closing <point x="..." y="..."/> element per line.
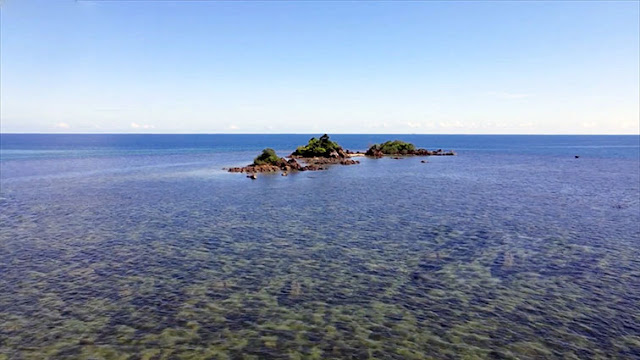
<point x="321" y="152"/>
<point x="322" y="147"/>
<point x="268" y="157"/>
<point x="395" y="147"/>
<point x="316" y="155"/>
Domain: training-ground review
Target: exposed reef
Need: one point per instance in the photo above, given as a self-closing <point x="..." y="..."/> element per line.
<point x="398" y="147"/>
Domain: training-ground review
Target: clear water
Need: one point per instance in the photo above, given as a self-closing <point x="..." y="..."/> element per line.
<point x="141" y="246"/>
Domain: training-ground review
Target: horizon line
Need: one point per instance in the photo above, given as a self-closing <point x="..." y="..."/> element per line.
<point x="328" y="133"/>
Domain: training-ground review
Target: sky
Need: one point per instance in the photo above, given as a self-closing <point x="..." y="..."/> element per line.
<point x="423" y="67"/>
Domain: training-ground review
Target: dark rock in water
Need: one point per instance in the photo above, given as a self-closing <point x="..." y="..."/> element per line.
<point x="577" y="156"/>
<point x="293" y="164"/>
<point x="252" y="176"/>
<point x="374" y="153"/>
<point x="423" y="161"/>
<point x="317" y="162"/>
<point x="279" y="165"/>
<point x="284" y="174"/>
<point x="314" y="167"/>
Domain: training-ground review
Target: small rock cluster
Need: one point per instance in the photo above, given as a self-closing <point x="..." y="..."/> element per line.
<point x="281" y="165"/>
<point x="418" y="152"/>
<point x="268" y="161"/>
<point x="319" y="153"/>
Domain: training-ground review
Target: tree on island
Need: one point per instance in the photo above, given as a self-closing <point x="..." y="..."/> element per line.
<point x="268" y="156"/>
<point x="322" y="147"/>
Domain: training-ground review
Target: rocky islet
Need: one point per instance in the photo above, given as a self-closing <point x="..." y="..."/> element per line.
<point x="319" y="153"/>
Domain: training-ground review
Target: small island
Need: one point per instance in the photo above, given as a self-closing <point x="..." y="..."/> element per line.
<point x="323" y="151"/>
<point x="397" y="147"/>
<point x="315" y="155"/>
<point x="319" y="153"/>
<point x="269" y="161"/>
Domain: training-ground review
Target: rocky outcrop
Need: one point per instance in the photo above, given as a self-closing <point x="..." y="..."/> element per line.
<point x="376" y="153"/>
<point x="321" y="147"/>
<point x="401" y="148"/>
<point x="320" y="161"/>
<point x="292" y="164"/>
<point x="255" y="169"/>
<point x="320" y="153"/>
<point x="284" y="165"/>
<point x="280" y="165"/>
<point x="439" y="152"/>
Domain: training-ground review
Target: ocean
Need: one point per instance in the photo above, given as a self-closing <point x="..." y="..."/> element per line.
<point x="143" y="247"/>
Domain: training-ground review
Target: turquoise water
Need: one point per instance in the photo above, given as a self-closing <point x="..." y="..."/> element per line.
<point x="138" y="246"/>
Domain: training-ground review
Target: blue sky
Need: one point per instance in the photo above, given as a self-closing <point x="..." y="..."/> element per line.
<point x="320" y="66"/>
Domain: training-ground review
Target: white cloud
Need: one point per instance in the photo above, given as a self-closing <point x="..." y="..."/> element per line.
<point x="414" y="125"/>
<point x="62" y="125"/>
<point x="456" y="124"/>
<point x="590" y="124"/>
<point x="377" y="125"/>
<point x="142" y="126"/>
<point x="233" y="127"/>
<point x="630" y="125"/>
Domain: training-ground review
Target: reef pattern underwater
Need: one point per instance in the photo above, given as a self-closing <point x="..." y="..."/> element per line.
<point x="504" y="257"/>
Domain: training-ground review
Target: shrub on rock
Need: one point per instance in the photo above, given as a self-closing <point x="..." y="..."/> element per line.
<point x="395" y="147"/>
<point x="268" y="157"/>
<point x="322" y="147"/>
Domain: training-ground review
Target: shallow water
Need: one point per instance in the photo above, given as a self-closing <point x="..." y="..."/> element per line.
<point x="513" y="249"/>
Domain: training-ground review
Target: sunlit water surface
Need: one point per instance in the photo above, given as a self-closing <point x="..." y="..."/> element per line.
<point x="144" y="248"/>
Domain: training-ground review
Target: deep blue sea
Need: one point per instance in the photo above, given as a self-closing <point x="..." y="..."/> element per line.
<point x="143" y="247"/>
